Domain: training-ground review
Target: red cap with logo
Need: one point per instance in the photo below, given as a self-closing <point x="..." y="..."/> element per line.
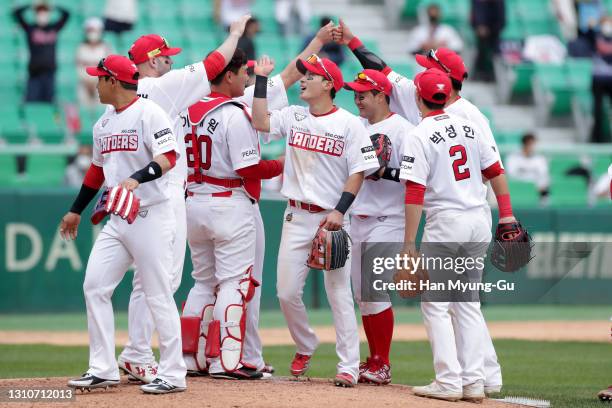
<point x="446" y="60"/>
<point x="370" y="80"/>
<point x="116" y="66"/>
<point x="322" y="66"/>
<point x="433" y="85"/>
<point x="150" y="46"/>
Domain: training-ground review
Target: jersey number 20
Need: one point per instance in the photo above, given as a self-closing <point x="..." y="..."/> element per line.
<point x="199" y="151"/>
<point x="458" y="153"/>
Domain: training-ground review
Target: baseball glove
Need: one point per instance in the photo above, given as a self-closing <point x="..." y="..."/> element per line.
<point x="330" y="250"/>
<point x="118" y="201"/>
<point x="411" y="281"/>
<point x="511" y="248"/>
<point x="382" y="147"/>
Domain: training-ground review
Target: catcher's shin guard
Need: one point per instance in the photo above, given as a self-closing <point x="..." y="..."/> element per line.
<point x="248" y="284"/>
<point x="194" y="333"/>
<point x="232" y="342"/>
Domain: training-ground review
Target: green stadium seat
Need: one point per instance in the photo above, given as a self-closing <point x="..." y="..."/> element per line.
<point x="9" y="169"/>
<point x="568" y="192"/>
<point x="560" y="164"/>
<point x="45" y="170"/>
<point x="11" y="124"/>
<point x="409" y="11"/>
<point x="579" y="71"/>
<point x="44" y="121"/>
<point x="524" y="194"/>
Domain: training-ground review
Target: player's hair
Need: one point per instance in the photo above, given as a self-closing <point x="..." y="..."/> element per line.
<point x="332" y="93"/>
<point x="457" y="85"/>
<point x="376" y="92"/>
<point x="239" y="59"/>
<point x="433" y="105"/>
<point x="527" y="137"/>
<point x="125" y="85"/>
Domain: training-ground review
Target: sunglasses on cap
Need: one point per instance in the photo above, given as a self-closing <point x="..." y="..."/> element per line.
<point x="432" y="55"/>
<point x="314" y="59"/>
<point x="155" y="52"/>
<point x="103" y="68"/>
<point x="362" y="77"/>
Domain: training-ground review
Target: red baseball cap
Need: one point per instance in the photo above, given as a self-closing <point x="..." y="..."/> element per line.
<point x="150" y="46"/>
<point x="370" y="80"/>
<point x="322" y="66"/>
<point x="116" y="66"/>
<point x="445" y="60"/>
<point x="433" y="82"/>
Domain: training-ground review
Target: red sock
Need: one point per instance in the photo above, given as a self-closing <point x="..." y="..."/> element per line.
<point x="382" y="324"/>
<point x="370" y="335"/>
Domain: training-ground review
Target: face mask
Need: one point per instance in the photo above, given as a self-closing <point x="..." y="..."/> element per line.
<point x="606" y="29"/>
<point x="94" y="36"/>
<point x="434" y="19"/>
<point x="82" y="161"/>
<point x="42" y="18"/>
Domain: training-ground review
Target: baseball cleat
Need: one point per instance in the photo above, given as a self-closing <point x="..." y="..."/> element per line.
<point x="474" y="392"/>
<point x="300" y="364"/>
<point x="145" y="372"/>
<point x="267" y="368"/>
<point x="378" y="372"/>
<point x="159" y="386"/>
<point x="89" y="381"/>
<point x="605" y="395"/>
<point x="344" y="380"/>
<point x="363" y="367"/>
<point x="197" y="373"/>
<point x="492" y="389"/>
<point x="243" y="373"/>
<point x="434" y="390"/>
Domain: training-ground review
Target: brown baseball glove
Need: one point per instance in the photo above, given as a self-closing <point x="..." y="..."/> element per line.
<point x="330" y="249"/>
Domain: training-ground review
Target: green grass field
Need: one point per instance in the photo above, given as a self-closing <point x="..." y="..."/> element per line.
<point x="567" y="374"/>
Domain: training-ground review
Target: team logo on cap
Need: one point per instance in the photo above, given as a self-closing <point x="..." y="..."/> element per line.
<point x="440" y="87"/>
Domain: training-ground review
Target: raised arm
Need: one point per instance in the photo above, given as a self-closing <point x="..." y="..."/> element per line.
<point x="367" y="58"/>
<point x="326" y="34"/>
<point x="65" y="15"/>
<point x="261" y="118"/>
<point x="18" y="15"/>
<point x="228" y="47"/>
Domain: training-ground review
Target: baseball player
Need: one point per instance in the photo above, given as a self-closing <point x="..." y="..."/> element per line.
<point x="133" y="148"/>
<point x="224" y="179"/>
<point x="445" y="160"/>
<point x="174" y="91"/>
<point x="451" y="63"/>
<point x="252" y="357"/>
<point x="377" y="214"/>
<point x="403" y="102"/>
<point x="328" y="151"/>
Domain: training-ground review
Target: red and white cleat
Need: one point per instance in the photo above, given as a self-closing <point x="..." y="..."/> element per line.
<point x="300" y="364"/>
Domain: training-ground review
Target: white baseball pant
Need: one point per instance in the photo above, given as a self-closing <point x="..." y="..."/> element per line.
<point x="455" y="329"/>
<point x="147" y="243"/>
<point x="221" y="233"/>
<point x="299" y="228"/>
<point x="140" y="322"/>
<point x="371" y="229"/>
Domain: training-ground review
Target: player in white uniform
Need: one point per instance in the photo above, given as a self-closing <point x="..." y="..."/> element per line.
<point x="174" y="91"/>
<point x="450" y="62"/>
<point x="377" y="215"/>
<point x="133" y="147"/>
<point x="445" y="159"/>
<point x="328" y="151"/>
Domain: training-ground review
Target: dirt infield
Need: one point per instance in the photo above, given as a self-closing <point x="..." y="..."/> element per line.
<point x="597" y="331"/>
<point x="276" y="392"/>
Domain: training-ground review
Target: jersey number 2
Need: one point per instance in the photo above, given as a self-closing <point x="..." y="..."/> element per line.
<point x="458" y="153"/>
<point x="200" y="151"/>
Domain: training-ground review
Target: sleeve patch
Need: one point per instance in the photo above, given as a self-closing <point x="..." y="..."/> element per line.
<point x="162" y="133"/>
<point x="369" y="153"/>
<point x="247" y="154"/>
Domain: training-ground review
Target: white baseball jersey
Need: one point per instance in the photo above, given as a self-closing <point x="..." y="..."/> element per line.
<point x="322" y="152"/>
<point x="467" y="110"/>
<point x="403" y="97"/>
<point x="276" y="94"/>
<point x="174" y="92"/>
<point x="227" y="142"/>
<point x="127" y="141"/>
<point x="385" y="197"/>
<point x="446" y="154"/>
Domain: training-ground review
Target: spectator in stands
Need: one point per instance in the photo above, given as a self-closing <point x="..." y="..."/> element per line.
<point x="292" y="14"/>
<point x="120" y="15"/>
<point x="75" y="171"/>
<point x="228" y="11"/>
<point x="90" y="51"/>
<point x="331" y="50"/>
<point x="602" y="81"/>
<point x="525" y="165"/>
<point x="42" y="39"/>
<point x="488" y="18"/>
<point x="433" y="34"/>
<point x="247" y="42"/>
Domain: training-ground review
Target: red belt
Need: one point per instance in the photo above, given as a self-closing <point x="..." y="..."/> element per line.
<point x="227" y="183"/>
<point x="313" y="208"/>
<point x="221" y="194"/>
<point x="363" y="217"/>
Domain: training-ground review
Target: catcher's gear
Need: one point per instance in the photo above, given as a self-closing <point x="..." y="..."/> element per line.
<point x="122" y="202"/>
<point x="512" y="247"/>
<point x="330" y="249"/>
<point x="382" y="147"/>
<point x="411" y="280"/>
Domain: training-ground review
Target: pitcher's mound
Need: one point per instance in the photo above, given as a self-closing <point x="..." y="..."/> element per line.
<point x="278" y="392"/>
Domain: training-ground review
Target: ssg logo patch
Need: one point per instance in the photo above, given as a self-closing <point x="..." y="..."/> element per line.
<point x="162" y="133"/>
